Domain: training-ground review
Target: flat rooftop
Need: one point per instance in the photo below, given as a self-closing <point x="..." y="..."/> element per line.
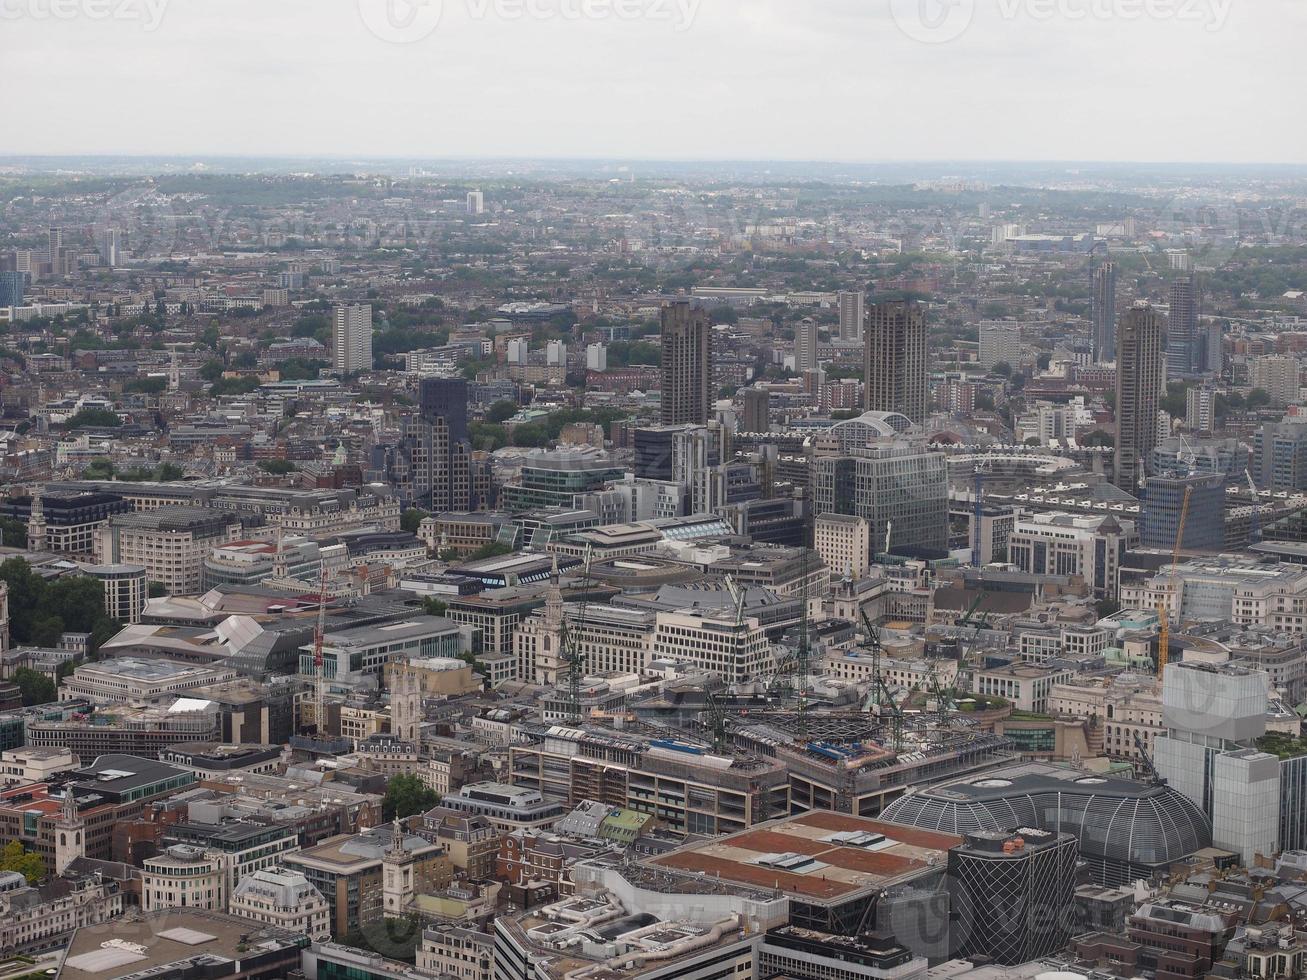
<point x="818" y="856"/>
<point x="146" y="944"/>
<point x="146" y="671"/>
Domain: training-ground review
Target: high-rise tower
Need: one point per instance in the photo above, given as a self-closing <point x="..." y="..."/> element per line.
<point x="895" y="358"/>
<point x="687" y="394"/>
<point x="1104" y="313"/>
<point x="805" y="345"/>
<point x="1183" y="350"/>
<point x="352" y="339"/>
<point x="852" y="314"/>
<point x="1138" y="390"/>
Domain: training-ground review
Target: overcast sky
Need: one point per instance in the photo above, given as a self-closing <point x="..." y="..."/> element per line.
<point x="845" y="80"/>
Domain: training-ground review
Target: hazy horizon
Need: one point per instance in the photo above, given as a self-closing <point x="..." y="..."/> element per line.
<point x="842" y="81"/>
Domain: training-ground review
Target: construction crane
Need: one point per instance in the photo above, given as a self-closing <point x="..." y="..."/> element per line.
<point x="873" y="641"/>
<point x="721" y="736"/>
<point x="319" y="663"/>
<point x="965" y="645"/>
<point x="1164" y="632"/>
<point x="1147" y="760"/>
<point x="1255" y="519"/>
<point x="880" y="695"/>
<point x="978" y="514"/>
<point x="570" y="642"/>
<point x="803" y="658"/>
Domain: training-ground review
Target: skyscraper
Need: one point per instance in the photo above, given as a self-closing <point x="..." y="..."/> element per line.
<point x="1213" y="340"/>
<point x="11" y="288"/>
<point x="110" y="247"/>
<point x="805" y="345"/>
<point x="756" y="416"/>
<point x="445" y="398"/>
<point x="1280" y="455"/>
<point x="1182" y="342"/>
<point x="352" y="339"/>
<point x="1200" y="409"/>
<point x="900" y="489"/>
<point x="851" y="315"/>
<point x="895" y="358"/>
<point x="1104" y="313"/>
<point x="687" y="393"/>
<point x="434" y="465"/>
<point x="1138" y="387"/>
<point x="56" y="249"/>
<point x="1164" y="502"/>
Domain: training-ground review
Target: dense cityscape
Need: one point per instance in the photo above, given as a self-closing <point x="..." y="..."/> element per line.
<point x="536" y="570"/>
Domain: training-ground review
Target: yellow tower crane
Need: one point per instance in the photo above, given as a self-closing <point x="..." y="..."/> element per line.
<point x="1164" y="637"/>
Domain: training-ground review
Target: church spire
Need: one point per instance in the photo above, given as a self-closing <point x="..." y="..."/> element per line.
<point x="36" y="523"/>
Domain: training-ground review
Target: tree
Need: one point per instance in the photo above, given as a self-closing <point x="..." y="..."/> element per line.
<point x="26" y="594"/>
<point x="405" y="796"/>
<point x="1003" y="369"/>
<point x="211" y="370"/>
<point x="96" y="418"/>
<point x="277" y="467"/>
<point x="13" y="532"/>
<point x="492" y="550"/>
<point x="432" y="606"/>
<point x="36" y="688"/>
<point x="98" y="469"/>
<point x="47" y="630"/>
<point x="40" y="611"/>
<point x="1099" y="438"/>
<point x="529" y="436"/>
<point x="501" y="411"/>
<point x="146" y="386"/>
<point x="79" y="600"/>
<point x="169" y="472"/>
<point x="1176" y="399"/>
<point x="233" y="386"/>
<point x="1106" y="607"/>
<point x="1258" y="398"/>
<point x="299" y="369"/>
<point x="156" y="590"/>
<point x="29" y="864"/>
<point x="411" y="518"/>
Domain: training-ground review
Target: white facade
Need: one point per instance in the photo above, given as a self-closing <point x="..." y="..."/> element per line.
<point x="1066" y="545"/>
<point x="735" y="651"/>
<point x="184" y="877"/>
<point x="284" y="899"/>
<point x="844" y="543"/>
<point x="1213" y="715"/>
<point x="805" y="346"/>
<point x="1026" y="686"/>
<point x="1278" y="375"/>
<point x="852" y="305"/>
<point x="352" y="339"/>
<point x="1000" y="342"/>
<point x="35" y="765"/>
